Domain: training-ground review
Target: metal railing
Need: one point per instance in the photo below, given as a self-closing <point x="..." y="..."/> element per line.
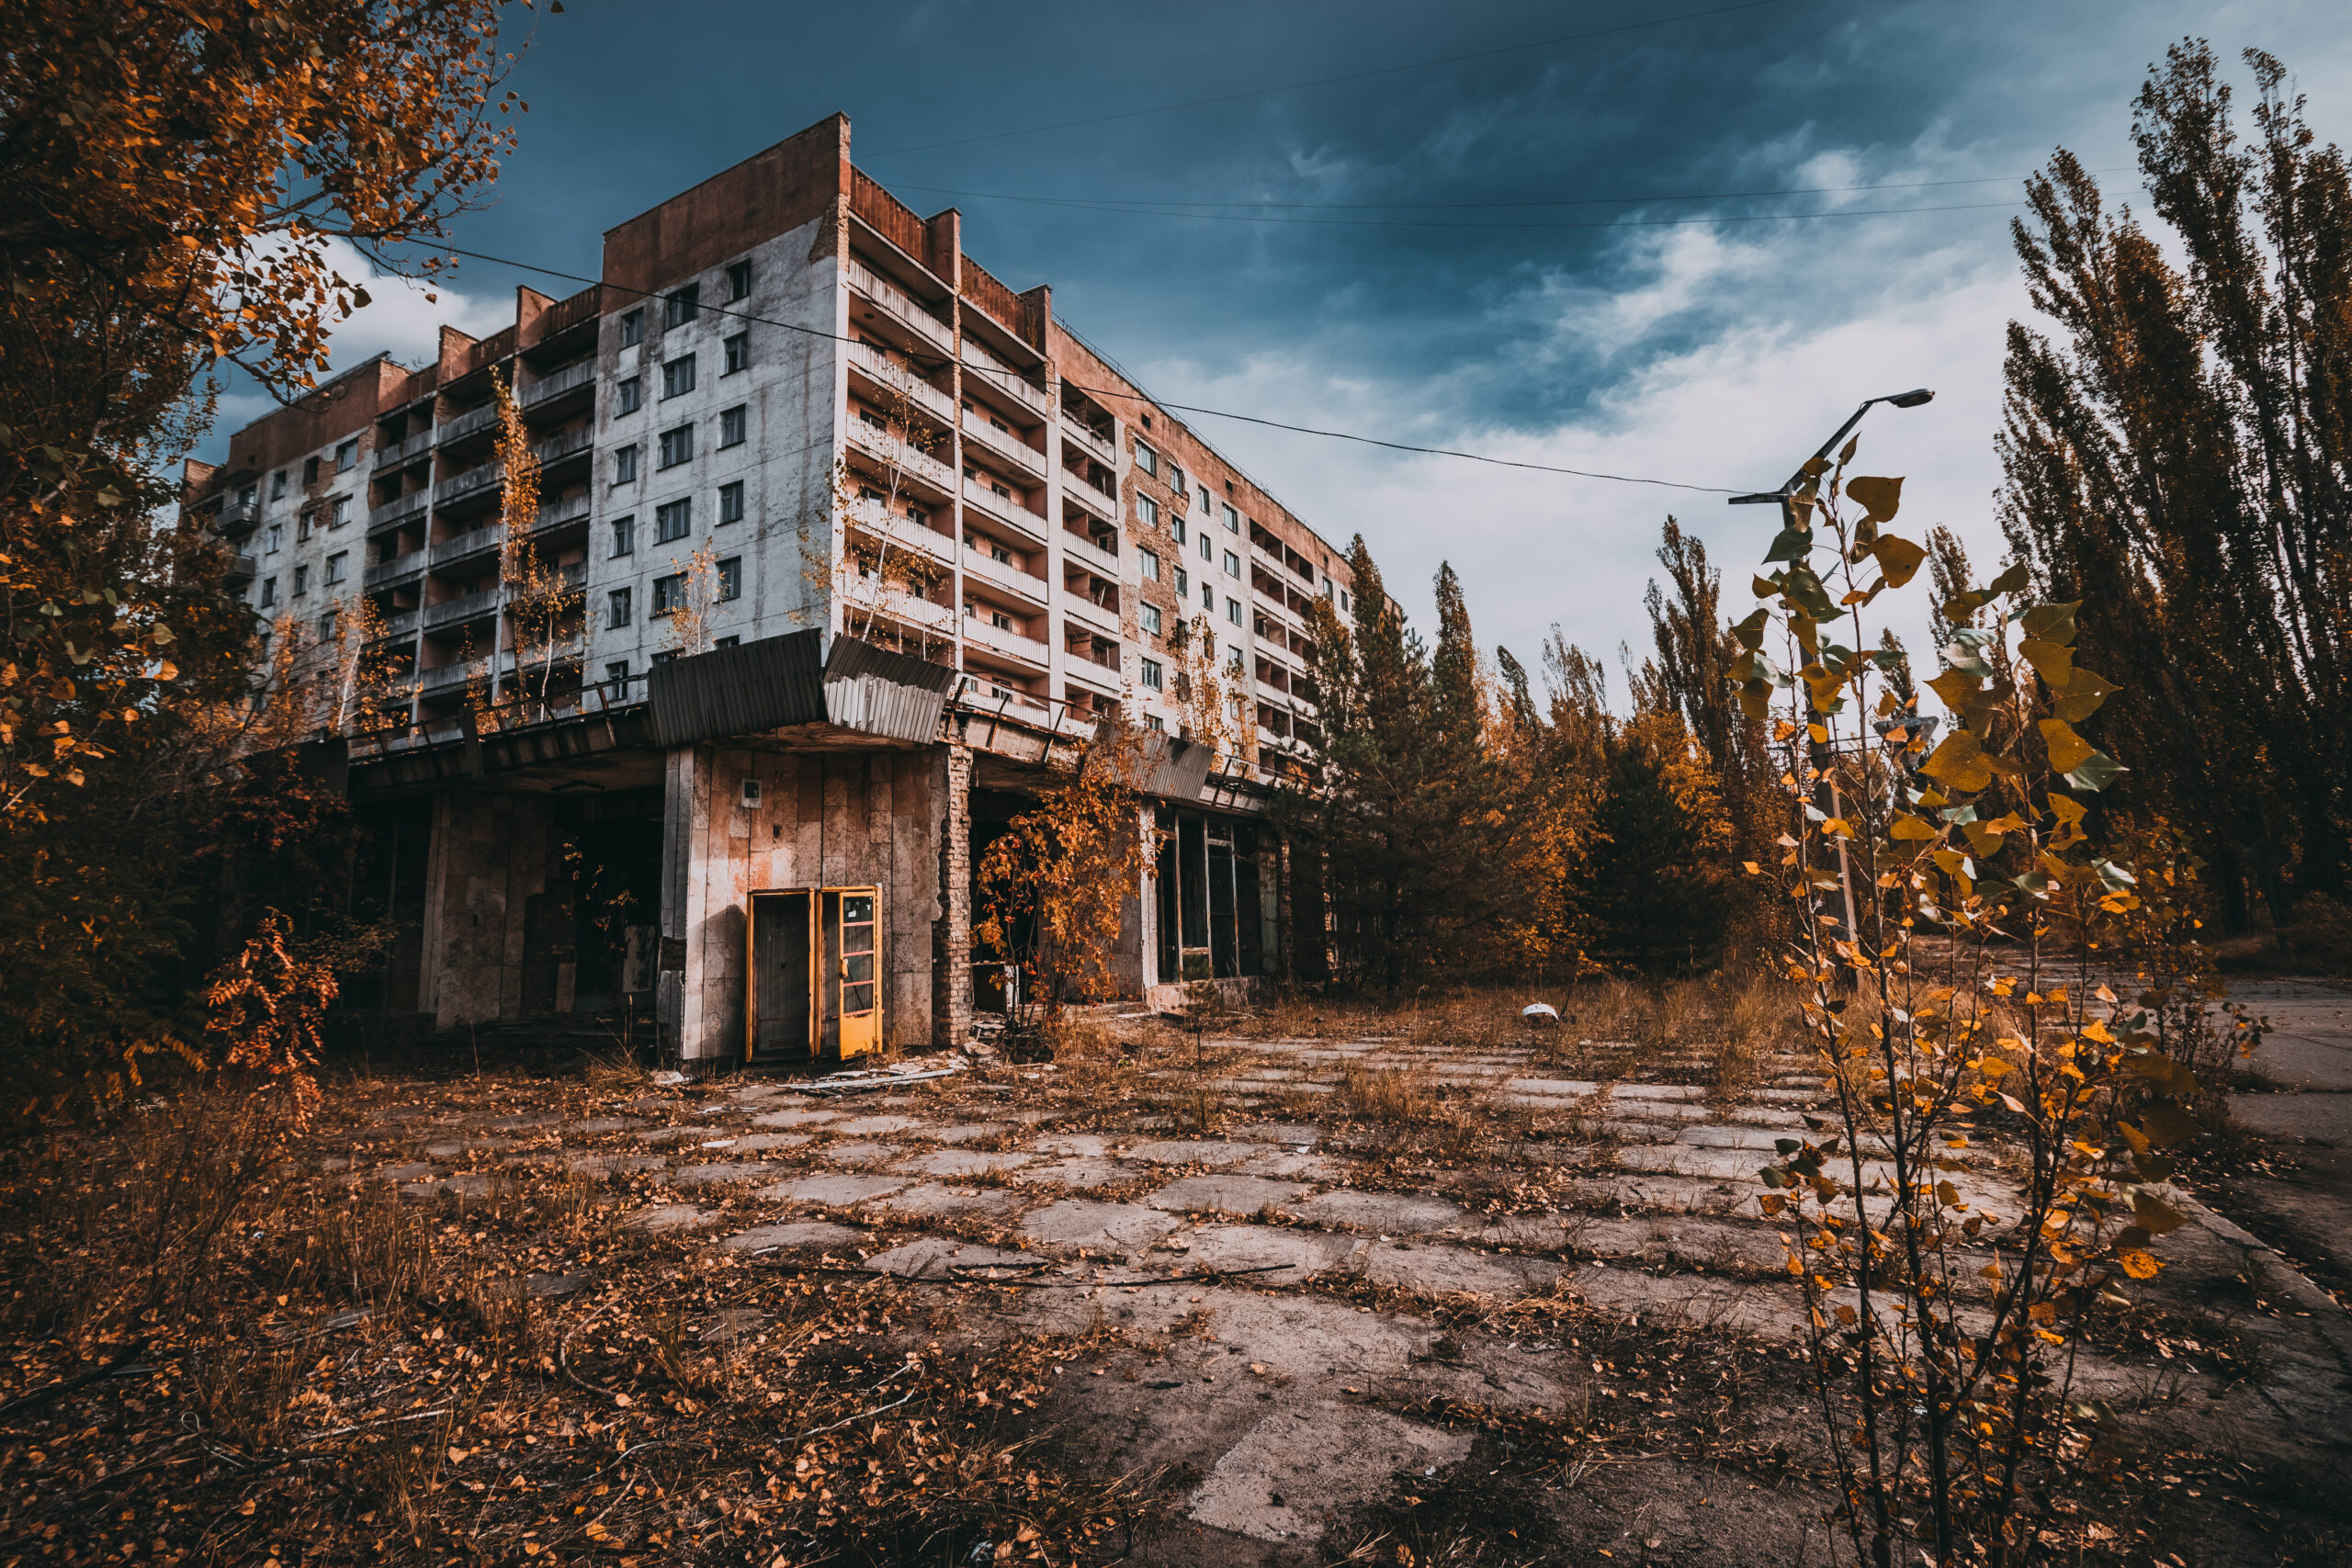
<point x="380" y="572"/>
<point x="464" y="607"/>
<point x="402" y="451"/>
<point x="394" y="512"/>
<point x="569" y="378"/>
<point x="466" y="424"/>
<point x="481" y="476"/>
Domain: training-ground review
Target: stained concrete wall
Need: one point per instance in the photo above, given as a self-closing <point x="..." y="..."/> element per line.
<point x="825" y="819"/>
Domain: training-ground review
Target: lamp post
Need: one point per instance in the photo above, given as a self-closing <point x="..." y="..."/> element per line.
<point x="1824" y="796"/>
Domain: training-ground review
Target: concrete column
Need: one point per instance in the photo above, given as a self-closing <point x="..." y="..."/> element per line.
<point x="951" y="1009"/>
<point x="685" y="809"/>
<point x="1285" y="964"/>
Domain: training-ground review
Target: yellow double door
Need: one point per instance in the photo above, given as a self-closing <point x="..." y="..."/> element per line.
<point x="814" y="964"/>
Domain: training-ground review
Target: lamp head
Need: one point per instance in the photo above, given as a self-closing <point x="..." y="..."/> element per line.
<point x="1910" y="399"/>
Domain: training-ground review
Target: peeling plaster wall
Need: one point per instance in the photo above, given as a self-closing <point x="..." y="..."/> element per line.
<point x="829" y="820"/>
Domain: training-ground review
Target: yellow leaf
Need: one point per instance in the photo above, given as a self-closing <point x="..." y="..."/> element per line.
<point x="2068" y="750"/>
<point x="2139" y="1265"/>
<point x="2054" y="662"/>
<point x="2153" y="1216"/>
<point x="1910" y="826"/>
<point x="167" y="670"/>
<point x="1960" y="763"/>
<point x="1879" y="498"/>
<point x="1898" y="558"/>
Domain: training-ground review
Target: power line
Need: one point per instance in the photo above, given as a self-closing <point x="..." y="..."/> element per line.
<point x="1094" y="205"/>
<point x="1107" y="391"/>
<point x="1328" y="80"/>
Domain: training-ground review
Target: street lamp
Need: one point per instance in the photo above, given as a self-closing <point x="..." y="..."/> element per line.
<point x="1825" y="795"/>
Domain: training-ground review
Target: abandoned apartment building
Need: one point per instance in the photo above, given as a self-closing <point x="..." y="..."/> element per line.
<point x="852" y="541"/>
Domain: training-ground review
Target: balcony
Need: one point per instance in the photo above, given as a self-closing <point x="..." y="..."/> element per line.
<point x="892" y="602"/>
<point x="392" y="513"/>
<point x="466" y="425"/>
<point x="899" y="533"/>
<point x="402" y="451"/>
<point x="238" y="517"/>
<point x="398" y="625"/>
<point x="1004" y="578"/>
<point x="1100" y="446"/>
<point x="889" y="379"/>
<point x="899" y="306"/>
<point x="571" y="378"/>
<point x="1085" y="612"/>
<point x="1080" y="491"/>
<point x="442" y="679"/>
<point x="889" y="450"/>
<point x="1005" y="444"/>
<point x="555" y="513"/>
<point x="566" y="444"/>
<point x="575" y="576"/>
<point x="241" y="569"/>
<point x="400" y="568"/>
<point x="1080" y="551"/>
<point x="997" y="374"/>
<point x="981" y="498"/>
<point x="480" y="541"/>
<point x="1012" y="647"/>
<point x="465" y="607"/>
<point x="473" y="481"/>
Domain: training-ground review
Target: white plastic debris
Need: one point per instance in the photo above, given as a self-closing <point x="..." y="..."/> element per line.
<point x="912" y="1071"/>
<point x="669" y="1080"/>
<point x="1540" y="1012"/>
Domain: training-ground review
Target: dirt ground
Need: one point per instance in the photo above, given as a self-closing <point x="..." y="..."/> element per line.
<point x="1289" y="1290"/>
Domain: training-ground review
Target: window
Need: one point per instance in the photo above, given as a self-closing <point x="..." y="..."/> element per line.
<point x="1151" y="619"/>
<point x="1149" y="510"/>
<point x="1233" y="614"/>
<point x="673" y="520"/>
<point x="245" y="497"/>
<point x="624" y="466"/>
<point x="670" y="593"/>
<point x="1176" y="526"/>
<point x="274" y="538"/>
<point x="739" y="281"/>
<point x="301" y="580"/>
<point x="268" y="591"/>
<point x="678" y="376"/>
<point x="1232" y="564"/>
<point x="309" y="471"/>
<point x="1208" y="597"/>
<point x="665" y="656"/>
<point x="624" y="535"/>
<point x="1343" y="598"/>
<point x="731" y="577"/>
<point x="1208" y="551"/>
<point x="326" y="627"/>
<point x="677" y="447"/>
<point x="339" y="512"/>
<point x="1153" y="721"/>
<point x="1153" y="678"/>
<point x="617" y="616"/>
<point x="1176" y="478"/>
<point x="732" y="425"/>
<point x="1147" y="459"/>
<point x="278" y="485"/>
<point x="1150" y="564"/>
<point x="629" y="396"/>
<point x="616" y="672"/>
<point x="681" y="307"/>
<point x="998" y="553"/>
<point x="1232" y="520"/>
<point x="1183" y="583"/>
<point x="1001" y="621"/>
<point x="632" y="329"/>
<point x="729" y="642"/>
<point x="346" y="455"/>
<point x="917" y="516"/>
<point x="1204" y="503"/>
<point x="739" y="353"/>
<point x="730" y="502"/>
<point x="336" y="564"/>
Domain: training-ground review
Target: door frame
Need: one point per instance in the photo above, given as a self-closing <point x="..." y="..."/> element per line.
<point x="823" y="981"/>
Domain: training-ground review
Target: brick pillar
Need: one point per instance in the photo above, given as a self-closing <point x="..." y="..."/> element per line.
<point x="951" y="972"/>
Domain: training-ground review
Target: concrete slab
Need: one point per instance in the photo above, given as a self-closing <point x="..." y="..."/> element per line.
<point x="966" y="1162"/>
<point x="597" y="1126"/>
<point x="833" y="1190"/>
<point x="1384" y="1213"/>
<point x="760" y="1143"/>
<point x="795" y="1116"/>
<point x="943" y="1257"/>
<point x="1297" y="1468"/>
<point x="1303" y="1166"/>
<point x="1081" y="1222"/>
<point x="794" y="1236"/>
<point x="612" y="1165"/>
<point x="670" y="1217"/>
<point x="1079" y="1175"/>
<point x="1291" y="1253"/>
<point x="1230" y="1194"/>
<point x="720" y="1173"/>
<point x="1080" y="1145"/>
<point x="2324" y="1118"/>
<point x="932" y="1198"/>
<point x="875" y="1126"/>
<point x="861" y="1154"/>
<point x="966" y="1132"/>
<point x="1203" y="1152"/>
<point x="1448" y="1271"/>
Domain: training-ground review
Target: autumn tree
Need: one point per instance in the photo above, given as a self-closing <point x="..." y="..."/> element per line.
<point x="173" y="184"/>
<point x="2177" y="446"/>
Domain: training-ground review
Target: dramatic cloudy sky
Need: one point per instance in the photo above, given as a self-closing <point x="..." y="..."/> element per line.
<point x="1447" y="225"/>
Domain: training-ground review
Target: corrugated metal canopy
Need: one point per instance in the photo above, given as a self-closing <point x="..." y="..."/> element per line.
<point x="759" y="686"/>
<point x="877" y="692"/>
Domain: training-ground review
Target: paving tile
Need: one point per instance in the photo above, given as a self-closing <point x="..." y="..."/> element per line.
<point x="943" y="1257"/>
<point x="1385" y="1214"/>
<point x="966" y="1162"/>
<point x="612" y="1165"/>
<point x="865" y="1154"/>
<point x="670" y="1217"/>
<point x="1079" y="1175"/>
<point x="869" y="1126"/>
<point x="835" y="1189"/>
<point x="795" y="1116"/>
<point x="965" y="1133"/>
<point x="1229" y="1194"/>
<point x="760" y="1143"/>
<point x="1205" y="1152"/>
<point x="934" y="1198"/>
<point x="595" y="1126"/>
<point x="1081" y="1222"/>
<point x="793" y="1235"/>
<point x="1292" y="1255"/>
<point x="1318" y="1460"/>
<point x="720" y="1173"/>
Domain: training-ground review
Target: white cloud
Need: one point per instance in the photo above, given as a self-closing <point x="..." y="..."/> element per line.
<point x="401" y="319"/>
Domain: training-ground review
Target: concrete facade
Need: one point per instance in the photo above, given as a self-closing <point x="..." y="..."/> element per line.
<point x="792" y="406"/>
